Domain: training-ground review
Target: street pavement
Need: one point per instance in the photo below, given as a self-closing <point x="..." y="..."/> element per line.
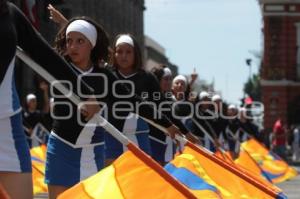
<point x="41" y="196"/>
<point x="291" y="188"/>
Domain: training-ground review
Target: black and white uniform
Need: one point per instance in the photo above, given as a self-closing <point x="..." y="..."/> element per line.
<point x="234" y="135"/>
<point x="76" y="148"/>
<point x="17" y="30"/>
<point x="135" y="128"/>
<point x="219" y="125"/>
<point x="163" y="147"/>
<point x="248" y="129"/>
<point x="202" y="126"/>
<point x="30" y="120"/>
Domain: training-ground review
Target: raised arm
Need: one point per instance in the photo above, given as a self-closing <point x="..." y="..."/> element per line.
<point x="57" y="16"/>
<point x="40" y="51"/>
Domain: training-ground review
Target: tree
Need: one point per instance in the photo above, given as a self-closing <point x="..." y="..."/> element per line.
<point x="252" y="87"/>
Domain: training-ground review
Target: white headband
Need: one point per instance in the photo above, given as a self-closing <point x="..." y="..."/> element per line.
<point x="232" y="106"/>
<point x="216" y="98"/>
<point x="180" y="77"/>
<point x="125" y="39"/>
<point x="85" y="28"/>
<point x="167" y="72"/>
<point x="203" y="95"/>
<point x="30" y="97"/>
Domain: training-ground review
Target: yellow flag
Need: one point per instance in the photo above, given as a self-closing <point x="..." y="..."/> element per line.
<point x="130" y="176"/>
<point x="38" y="159"/>
<point x="230" y="178"/>
<point x="273" y="166"/>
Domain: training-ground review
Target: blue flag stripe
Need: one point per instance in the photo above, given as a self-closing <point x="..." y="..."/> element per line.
<point x="189" y="179"/>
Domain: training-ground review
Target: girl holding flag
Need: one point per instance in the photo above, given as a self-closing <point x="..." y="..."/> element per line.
<point x="75" y="148"/>
<point x="127" y="65"/>
<point x="139" y="78"/>
<point x="163" y="148"/>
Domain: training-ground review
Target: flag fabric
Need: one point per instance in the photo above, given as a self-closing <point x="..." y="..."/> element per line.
<point x="29" y="8"/>
<point x="273" y="166"/>
<point x="247" y="164"/>
<point x="130" y="176"/>
<point x="38" y="160"/>
<point x="186" y="169"/>
<point x="230" y="178"/>
<point x="39" y="152"/>
<point x="225" y="155"/>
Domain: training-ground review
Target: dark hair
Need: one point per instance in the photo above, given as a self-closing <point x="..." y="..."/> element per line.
<point x="138" y="63"/>
<point x="158" y="71"/>
<point x="99" y="52"/>
<point x="3" y="7"/>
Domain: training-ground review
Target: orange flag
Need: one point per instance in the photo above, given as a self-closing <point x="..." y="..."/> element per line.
<point x="273" y="166"/>
<point x="230" y="177"/>
<point x="132" y="175"/>
<point x="247" y="164"/>
<point x="186" y="169"/>
<point x="38" y="160"/>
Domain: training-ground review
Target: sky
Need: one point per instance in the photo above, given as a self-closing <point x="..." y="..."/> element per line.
<point x="213" y="36"/>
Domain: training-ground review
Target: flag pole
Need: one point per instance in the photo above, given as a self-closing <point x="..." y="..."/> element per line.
<point x="180" y="138"/>
<point x="234" y="170"/>
<point x="212" y="140"/>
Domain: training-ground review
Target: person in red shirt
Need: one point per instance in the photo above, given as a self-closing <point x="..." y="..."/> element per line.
<point x="279" y="138"/>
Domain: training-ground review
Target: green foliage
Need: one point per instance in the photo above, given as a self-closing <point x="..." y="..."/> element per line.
<point x="252" y="88"/>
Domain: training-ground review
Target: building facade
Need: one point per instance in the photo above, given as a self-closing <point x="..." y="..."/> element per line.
<point x="155" y="54"/>
<point x="116" y="16"/>
<point x="280" y="71"/>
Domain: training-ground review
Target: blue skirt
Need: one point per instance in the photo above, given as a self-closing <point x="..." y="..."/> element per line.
<point x="162" y="151"/>
<point x="136" y="130"/>
<point x="66" y="166"/>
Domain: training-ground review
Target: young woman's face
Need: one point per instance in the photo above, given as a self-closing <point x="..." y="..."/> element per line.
<point x="166" y="83"/>
<point x="205" y="103"/>
<point x="232" y="112"/>
<point x="124" y="56"/>
<point x="78" y="48"/>
<point x="178" y="86"/>
<point x="32" y="104"/>
<point x="178" y="89"/>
